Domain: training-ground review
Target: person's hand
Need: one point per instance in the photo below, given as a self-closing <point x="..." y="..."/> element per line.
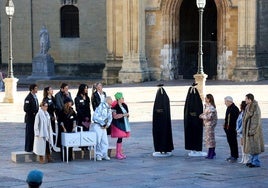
<point x="64" y="130"/>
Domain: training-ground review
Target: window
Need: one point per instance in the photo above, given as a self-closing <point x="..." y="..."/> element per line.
<point x="69" y="22"/>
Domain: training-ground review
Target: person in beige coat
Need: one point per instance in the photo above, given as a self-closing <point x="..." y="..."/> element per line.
<point x="43" y="140"/>
<point x="252" y="131"/>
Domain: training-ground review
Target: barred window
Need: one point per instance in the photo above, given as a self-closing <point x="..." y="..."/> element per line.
<point x="69" y="21"/>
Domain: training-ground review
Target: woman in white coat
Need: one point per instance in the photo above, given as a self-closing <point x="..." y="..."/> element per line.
<point x="43" y="140"/>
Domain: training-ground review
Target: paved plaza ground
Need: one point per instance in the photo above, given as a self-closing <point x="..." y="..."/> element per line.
<point x="141" y="169"/>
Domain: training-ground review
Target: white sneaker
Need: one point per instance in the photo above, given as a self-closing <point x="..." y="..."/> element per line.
<point x="99" y="158"/>
<point x="107" y="158"/>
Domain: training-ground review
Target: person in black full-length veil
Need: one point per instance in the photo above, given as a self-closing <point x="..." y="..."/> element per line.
<point x="162" y="131"/>
<point x="193" y="125"/>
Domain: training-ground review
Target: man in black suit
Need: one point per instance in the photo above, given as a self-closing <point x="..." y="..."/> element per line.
<point x="31" y="107"/>
<point x="231" y="115"/>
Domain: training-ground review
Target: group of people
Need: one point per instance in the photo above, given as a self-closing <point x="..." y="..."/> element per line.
<point x="55" y="115"/>
<point x="245" y="122"/>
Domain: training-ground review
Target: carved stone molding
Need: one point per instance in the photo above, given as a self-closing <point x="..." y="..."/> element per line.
<point x="68" y="2"/>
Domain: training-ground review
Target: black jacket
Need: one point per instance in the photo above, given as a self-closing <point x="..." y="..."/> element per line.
<point x="120" y="123"/>
<point x="231" y="115"/>
<point x="51" y="105"/>
<point x="82" y="108"/>
<point x="31" y="107"/>
<point x="95" y="99"/>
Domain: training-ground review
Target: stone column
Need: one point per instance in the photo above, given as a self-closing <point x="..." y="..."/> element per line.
<point x="134" y="67"/>
<point x="246" y="65"/>
<point x="113" y="60"/>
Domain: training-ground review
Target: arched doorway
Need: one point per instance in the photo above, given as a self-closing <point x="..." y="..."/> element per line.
<point x="189" y="36"/>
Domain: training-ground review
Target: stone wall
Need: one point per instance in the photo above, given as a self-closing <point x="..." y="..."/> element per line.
<point x="89" y="49"/>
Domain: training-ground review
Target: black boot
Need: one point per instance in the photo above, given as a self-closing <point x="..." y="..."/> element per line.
<point x="209" y="154"/>
<point x="213" y="153"/>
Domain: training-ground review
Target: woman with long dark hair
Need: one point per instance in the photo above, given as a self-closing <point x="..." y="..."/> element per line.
<point x="51" y="101"/>
<point x="239" y="129"/>
<point x="210" y="118"/>
<point x="67" y="119"/>
<point x="82" y="105"/>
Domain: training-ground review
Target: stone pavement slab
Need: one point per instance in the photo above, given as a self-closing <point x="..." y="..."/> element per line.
<point x="140" y="169"/>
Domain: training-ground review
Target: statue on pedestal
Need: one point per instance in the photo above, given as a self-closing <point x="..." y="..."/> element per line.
<point x="43" y="63"/>
<point x="44" y="40"/>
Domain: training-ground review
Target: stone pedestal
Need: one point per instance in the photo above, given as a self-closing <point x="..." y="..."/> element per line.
<point x="42" y="67"/>
<point x="134" y="70"/>
<point x="200" y="79"/>
<point x="111" y="71"/>
<point x="10" y="89"/>
<point x="27" y="157"/>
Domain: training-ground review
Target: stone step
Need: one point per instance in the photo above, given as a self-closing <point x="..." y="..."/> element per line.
<point x="28" y="157"/>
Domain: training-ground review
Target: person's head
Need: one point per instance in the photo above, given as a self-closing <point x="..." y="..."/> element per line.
<point x="119" y="97"/>
<point x="243" y="105"/>
<point x="68" y="102"/>
<point x="228" y="101"/>
<point x="47" y="91"/>
<point x="109" y="100"/>
<point x="210" y="100"/>
<point x="44" y="105"/>
<point x="82" y="90"/>
<point x="64" y="87"/>
<point x="33" y="88"/>
<point x="99" y="87"/>
<point x="249" y="98"/>
<point x="34" y="178"/>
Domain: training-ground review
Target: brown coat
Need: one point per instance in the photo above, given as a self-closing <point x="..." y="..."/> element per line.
<point x="252" y="130"/>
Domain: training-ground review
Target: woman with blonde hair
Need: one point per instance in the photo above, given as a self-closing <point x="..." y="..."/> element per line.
<point x="43" y="140"/>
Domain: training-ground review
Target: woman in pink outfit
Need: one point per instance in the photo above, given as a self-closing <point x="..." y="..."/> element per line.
<point x="120" y="127"/>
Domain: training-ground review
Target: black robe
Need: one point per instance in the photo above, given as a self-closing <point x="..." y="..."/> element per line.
<point x="193" y="125"/>
<point x="162" y="131"/>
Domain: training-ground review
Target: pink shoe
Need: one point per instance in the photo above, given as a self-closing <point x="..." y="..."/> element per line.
<point x="118" y="156"/>
<point x="118" y="149"/>
<point x="124" y="156"/>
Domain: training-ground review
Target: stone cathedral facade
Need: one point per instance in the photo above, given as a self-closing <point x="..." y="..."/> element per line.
<point x="130" y="41"/>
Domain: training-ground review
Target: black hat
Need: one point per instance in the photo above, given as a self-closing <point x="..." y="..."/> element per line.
<point x="66" y="100"/>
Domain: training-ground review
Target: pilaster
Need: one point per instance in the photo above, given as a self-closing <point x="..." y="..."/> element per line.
<point x="246" y="65"/>
<point x="114" y="55"/>
<point x="134" y="66"/>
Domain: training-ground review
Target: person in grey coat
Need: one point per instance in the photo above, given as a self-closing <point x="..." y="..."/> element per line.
<point x="252" y="131"/>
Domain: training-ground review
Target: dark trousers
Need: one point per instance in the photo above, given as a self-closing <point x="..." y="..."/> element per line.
<point x="29" y="137"/>
<point x="232" y="141"/>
